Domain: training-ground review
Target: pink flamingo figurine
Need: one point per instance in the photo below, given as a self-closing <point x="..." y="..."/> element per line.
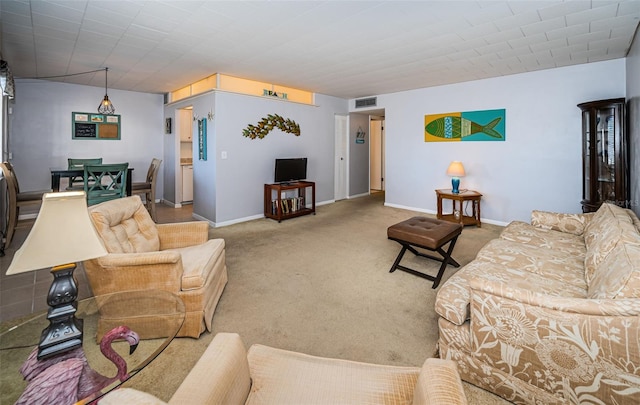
<point x="68" y="378"/>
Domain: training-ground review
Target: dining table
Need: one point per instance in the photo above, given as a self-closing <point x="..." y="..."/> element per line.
<point x="56" y="174"/>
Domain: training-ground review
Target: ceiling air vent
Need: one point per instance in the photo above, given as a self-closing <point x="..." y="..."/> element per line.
<point x="366" y="102"/>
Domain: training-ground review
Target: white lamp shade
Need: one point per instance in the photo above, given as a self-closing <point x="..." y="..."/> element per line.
<point x="62" y="233"/>
<point x="455" y="169"/>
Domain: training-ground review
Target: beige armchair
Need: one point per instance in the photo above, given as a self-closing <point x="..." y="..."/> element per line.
<point x="143" y="255"/>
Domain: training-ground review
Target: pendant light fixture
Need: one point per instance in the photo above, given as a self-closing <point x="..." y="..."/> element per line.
<point x="106" y="107"/>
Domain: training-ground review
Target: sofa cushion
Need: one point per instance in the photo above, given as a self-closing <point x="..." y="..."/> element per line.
<point x="125" y="226"/>
<point x="528" y="234"/>
<point x="285" y="377"/>
<point x="619" y="274"/>
<point x="606" y="215"/>
<point x="567" y="223"/>
<point x="599" y="235"/>
<point x="452" y="301"/>
<point x="551" y="263"/>
<point x="609" y="237"/>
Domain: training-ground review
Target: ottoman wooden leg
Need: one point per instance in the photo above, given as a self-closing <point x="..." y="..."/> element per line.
<point x="445" y="259"/>
<point x="396" y="264"/>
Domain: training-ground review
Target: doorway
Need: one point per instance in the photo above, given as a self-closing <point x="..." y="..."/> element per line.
<point x="184" y="156"/>
<point x="376" y="154"/>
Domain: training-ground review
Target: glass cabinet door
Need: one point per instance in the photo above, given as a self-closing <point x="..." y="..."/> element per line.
<point x="605" y="160"/>
<point x="605" y="177"/>
<point x="587" y="152"/>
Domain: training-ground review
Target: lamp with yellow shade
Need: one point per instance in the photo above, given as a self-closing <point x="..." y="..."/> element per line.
<point x="62" y="235"/>
<point x="455" y="170"/>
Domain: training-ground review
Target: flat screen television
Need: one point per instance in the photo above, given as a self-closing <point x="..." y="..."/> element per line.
<point x="291" y="169"/>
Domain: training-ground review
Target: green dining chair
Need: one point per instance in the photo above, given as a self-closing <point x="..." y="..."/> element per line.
<point x="77" y="182"/>
<point x="105" y="182"/>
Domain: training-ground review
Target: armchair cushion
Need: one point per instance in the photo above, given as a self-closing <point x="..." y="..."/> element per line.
<point x="126" y="227"/>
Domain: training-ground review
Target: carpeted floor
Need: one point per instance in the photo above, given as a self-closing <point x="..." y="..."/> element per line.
<point x="320" y="284"/>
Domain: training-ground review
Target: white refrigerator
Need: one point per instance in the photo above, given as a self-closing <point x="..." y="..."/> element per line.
<point x="187" y="183"/>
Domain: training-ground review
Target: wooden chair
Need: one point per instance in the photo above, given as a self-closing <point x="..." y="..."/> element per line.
<point x="148" y="188"/>
<point x="77" y="182"/>
<point x="105" y="182"/>
<point x="17" y="199"/>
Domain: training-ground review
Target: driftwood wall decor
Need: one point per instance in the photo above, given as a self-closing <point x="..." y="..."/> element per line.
<point x="268" y="123"/>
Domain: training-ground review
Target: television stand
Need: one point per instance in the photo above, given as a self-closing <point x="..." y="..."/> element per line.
<point x="279" y="208"/>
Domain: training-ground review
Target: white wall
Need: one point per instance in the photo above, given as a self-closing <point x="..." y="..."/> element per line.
<point x="232" y="190"/>
<point x="241" y="177"/>
<point x="633" y="107"/>
<point x="539" y="166"/>
<point x="40" y="130"/>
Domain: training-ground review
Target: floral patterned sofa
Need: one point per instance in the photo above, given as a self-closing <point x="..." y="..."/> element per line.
<point x="549" y="312"/>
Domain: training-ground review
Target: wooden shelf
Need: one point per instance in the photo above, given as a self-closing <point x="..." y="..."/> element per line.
<point x="278" y="208"/>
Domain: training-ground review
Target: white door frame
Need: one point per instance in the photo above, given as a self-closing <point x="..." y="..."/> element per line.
<point x="376" y="153"/>
<point x="178" y="117"/>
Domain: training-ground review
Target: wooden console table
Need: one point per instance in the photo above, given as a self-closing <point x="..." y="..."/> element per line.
<point x="458" y="214"/>
<point x="279" y="208"/>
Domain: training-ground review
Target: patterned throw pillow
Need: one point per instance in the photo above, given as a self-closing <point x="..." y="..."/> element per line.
<point x="602" y="233"/>
<point x="619" y="275"/>
<point x="569" y="223"/>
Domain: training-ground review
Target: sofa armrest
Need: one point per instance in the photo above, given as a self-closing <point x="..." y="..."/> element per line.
<point x="131" y="271"/>
<point x="571" y="347"/>
<point x="569" y="223"/>
<point x="182" y="234"/>
<point x="439" y="384"/>
<point x="221" y="375"/>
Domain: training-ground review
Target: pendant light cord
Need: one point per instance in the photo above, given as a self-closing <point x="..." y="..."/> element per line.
<point x="106" y="72"/>
<point x="69" y="75"/>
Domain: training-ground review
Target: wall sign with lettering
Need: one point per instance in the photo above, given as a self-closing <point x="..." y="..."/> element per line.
<point x="95" y="126"/>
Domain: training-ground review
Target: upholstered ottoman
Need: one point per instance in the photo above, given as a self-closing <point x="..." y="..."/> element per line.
<point x="426" y="233"/>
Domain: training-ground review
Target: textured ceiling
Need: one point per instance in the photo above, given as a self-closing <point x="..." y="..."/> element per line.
<point x="347" y="49"/>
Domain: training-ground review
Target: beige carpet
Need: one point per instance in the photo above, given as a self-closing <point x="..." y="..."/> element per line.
<point x="320" y="284"/>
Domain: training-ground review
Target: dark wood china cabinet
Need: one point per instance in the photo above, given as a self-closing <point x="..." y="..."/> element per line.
<point x="605" y="161"/>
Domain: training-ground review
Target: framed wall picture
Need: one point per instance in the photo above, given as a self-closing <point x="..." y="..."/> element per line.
<point x="202" y="139"/>
<point x="91" y="126"/>
<point x="483" y="125"/>
<point x="167" y="125"/>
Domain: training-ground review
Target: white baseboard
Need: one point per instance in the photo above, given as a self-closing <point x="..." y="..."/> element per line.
<point x="403" y="207"/>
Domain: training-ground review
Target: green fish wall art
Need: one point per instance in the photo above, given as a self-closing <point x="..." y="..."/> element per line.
<point x="485" y="125"/>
